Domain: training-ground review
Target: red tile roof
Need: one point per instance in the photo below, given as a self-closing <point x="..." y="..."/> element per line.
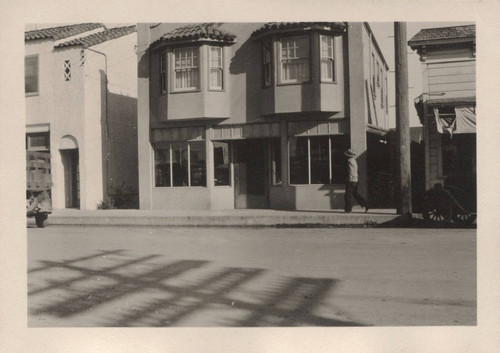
<point x="61" y="32"/>
<point x="98" y="38"/>
<point x="197" y="31"/>
<point x="443" y="33"/>
<point x="279" y="26"/>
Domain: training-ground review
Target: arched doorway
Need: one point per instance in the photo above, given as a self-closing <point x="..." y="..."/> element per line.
<point x="68" y="147"/>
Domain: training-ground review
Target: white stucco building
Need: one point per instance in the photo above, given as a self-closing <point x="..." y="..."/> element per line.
<point x="81" y="106"/>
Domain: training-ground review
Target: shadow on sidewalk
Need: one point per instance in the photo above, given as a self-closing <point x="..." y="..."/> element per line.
<point x="147" y="292"/>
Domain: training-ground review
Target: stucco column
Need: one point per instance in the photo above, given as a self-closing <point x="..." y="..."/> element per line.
<point x="284" y="153"/>
<point x="209" y="147"/>
<point x="357" y="98"/>
<point x="145" y="150"/>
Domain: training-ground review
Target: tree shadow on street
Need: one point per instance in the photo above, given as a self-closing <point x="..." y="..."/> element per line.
<point x="150" y="292"/>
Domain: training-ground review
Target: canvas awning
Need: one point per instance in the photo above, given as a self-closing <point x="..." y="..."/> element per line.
<point x="464" y="121"/>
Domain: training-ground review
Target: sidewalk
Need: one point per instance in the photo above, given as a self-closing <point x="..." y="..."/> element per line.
<point x="221" y="218"/>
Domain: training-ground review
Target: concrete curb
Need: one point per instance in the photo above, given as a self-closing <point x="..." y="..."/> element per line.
<point x="217" y="219"/>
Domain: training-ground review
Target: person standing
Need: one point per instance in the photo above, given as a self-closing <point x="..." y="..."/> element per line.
<point x="351" y="186"/>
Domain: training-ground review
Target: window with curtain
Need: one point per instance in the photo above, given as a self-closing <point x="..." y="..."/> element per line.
<point x="318" y="159"/>
<point x="216" y="68"/>
<point x="180" y="164"/>
<point x="31" y="74"/>
<point x="186" y="69"/>
<point x="163" y="72"/>
<point x="294" y="59"/>
<point x="327" y="59"/>
<point x="267" y="55"/>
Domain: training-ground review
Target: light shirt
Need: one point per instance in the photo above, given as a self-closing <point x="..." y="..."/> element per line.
<point x="353" y="170"/>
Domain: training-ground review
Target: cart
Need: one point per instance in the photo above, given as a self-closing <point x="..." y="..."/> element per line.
<point x="39" y="183"/>
<point x="441" y="204"/>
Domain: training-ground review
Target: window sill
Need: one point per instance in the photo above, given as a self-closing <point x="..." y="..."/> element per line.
<point x="186" y="91"/>
<point x="32" y="94"/>
<point x="294" y="83"/>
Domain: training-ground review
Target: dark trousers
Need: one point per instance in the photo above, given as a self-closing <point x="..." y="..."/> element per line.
<point x="351" y="190"/>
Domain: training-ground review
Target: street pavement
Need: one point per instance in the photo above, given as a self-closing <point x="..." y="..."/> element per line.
<point x="248" y="277"/>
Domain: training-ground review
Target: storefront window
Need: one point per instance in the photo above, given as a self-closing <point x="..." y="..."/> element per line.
<point x="314" y="160"/>
<point x="180" y="164"/>
<point x="162" y="166"/>
<point x="276" y="161"/>
<point x="319" y="160"/>
<point x="197" y="164"/>
<point x="339" y="144"/>
<point x="222" y="171"/>
<point x="299" y="169"/>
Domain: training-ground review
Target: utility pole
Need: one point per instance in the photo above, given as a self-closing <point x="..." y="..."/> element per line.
<point x="402" y="119"/>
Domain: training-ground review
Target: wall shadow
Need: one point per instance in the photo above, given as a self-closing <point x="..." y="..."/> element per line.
<point x="164" y="293"/>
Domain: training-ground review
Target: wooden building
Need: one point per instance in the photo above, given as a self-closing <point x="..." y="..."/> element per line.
<point x="447" y="106"/>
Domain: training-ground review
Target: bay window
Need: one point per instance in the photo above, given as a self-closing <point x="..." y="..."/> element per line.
<point x="318" y="159"/>
<point x="216" y="68"/>
<point x="327" y="59"/>
<point x="294" y="59"/>
<point x="186" y="69"/>
<point x="180" y="164"/>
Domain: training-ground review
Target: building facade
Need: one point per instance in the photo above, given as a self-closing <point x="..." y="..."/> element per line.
<point x="254" y="115"/>
<point x="81" y="106"/>
<point x="447" y="107"/>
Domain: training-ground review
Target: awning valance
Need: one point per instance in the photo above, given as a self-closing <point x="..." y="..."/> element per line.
<point x="464" y="121"/>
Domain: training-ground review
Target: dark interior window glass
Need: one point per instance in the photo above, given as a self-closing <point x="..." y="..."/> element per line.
<point x="319" y="160"/>
<point x="298" y="160"/>
<point x="198" y="164"/>
<point x="162" y="166"/>
<point x="340" y="143"/>
<point x="222" y="175"/>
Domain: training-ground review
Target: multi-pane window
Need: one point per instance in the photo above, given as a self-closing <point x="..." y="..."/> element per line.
<point x="31" y="74"/>
<point x="163" y="72"/>
<point x="216" y="68"/>
<point x="222" y="170"/>
<point x="180" y="164"/>
<point x="294" y="59"/>
<point x="67" y="70"/>
<point x="39" y="141"/>
<point x="318" y="159"/>
<point x="186" y="69"/>
<point x="327" y="59"/>
<point x="267" y="59"/>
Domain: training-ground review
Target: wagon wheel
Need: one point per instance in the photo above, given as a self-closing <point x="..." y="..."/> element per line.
<point x="434" y="214"/>
<point x="464" y="218"/>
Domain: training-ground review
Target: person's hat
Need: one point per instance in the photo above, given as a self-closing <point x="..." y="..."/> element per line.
<point x="350" y="153"/>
